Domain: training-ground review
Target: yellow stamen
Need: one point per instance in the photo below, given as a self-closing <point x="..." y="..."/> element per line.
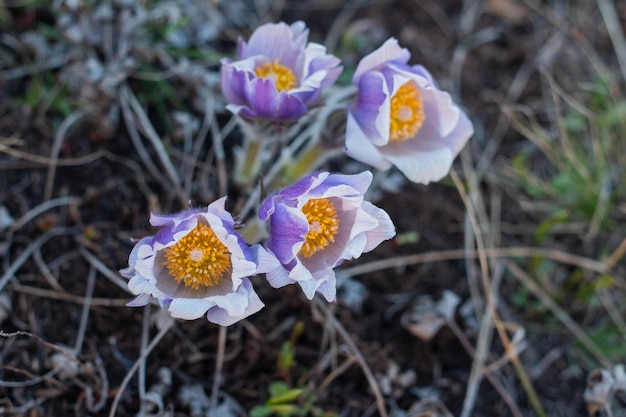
<point x="407" y="113"/>
<point x="283" y="78"/>
<point x="198" y="259"/>
<point x="323" y="225"/>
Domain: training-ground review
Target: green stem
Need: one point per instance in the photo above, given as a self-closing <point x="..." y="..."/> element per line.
<point x="528" y="387"/>
<point x="305" y="162"/>
<point x="248" y="161"/>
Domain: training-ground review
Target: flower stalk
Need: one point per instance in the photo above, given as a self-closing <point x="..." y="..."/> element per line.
<point x="309" y="159"/>
<point x="248" y="161"/>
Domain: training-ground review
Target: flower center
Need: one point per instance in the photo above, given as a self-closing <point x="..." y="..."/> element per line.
<point x="198" y="259"/>
<point x="282" y="76"/>
<point x="407" y="113"/>
<point x="323" y="225"/>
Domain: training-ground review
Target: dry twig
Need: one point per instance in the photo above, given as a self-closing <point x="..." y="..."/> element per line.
<point x="144" y="354"/>
<point x="380" y="401"/>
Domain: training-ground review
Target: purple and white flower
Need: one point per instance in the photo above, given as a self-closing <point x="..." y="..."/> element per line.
<point x="315" y="225"/>
<point x="277" y="75"/>
<point x="402" y="118"/>
<point x="196" y="264"/>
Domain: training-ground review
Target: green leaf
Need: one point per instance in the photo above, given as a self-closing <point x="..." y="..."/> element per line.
<point x="261" y="411"/>
<point x="284" y="409"/>
<point x="604" y="282"/>
<point x="615" y="115"/>
<point x="285" y="397"/>
<point x="277" y="388"/>
<point x="285" y="357"/>
<point x="610" y="341"/>
<point x="560" y="217"/>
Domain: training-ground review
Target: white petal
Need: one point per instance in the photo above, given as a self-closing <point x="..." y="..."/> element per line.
<point x="424" y="166"/>
<point x="359" y="146"/>
<point x="139" y="301"/>
<point x="138" y="285"/>
<point x="439" y="107"/>
<point x="268" y="264"/>
<point x="189" y="308"/>
<point x="328" y="287"/>
<point x="384" y="231"/>
<point x="233" y="307"/>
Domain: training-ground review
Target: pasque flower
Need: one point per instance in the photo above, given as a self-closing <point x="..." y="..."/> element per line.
<point x="196" y="264"/>
<point x="278" y="75"/>
<point x="401" y="117"/>
<point x="316" y="224"/>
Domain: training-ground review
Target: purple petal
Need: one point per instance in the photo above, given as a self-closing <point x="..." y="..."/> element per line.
<point x="320" y="70"/>
<point x="317" y="60"/>
<point x="161" y="220"/>
<point x="390" y="51"/>
<point x="299" y="33"/>
<point x="304" y="185"/>
<point x="233" y="82"/>
<point x="173" y="227"/>
<point x="218" y="209"/>
<point x="276" y="42"/>
<point x="423" y="72"/>
<point x="349" y="184"/>
<point x="266" y="101"/>
<point x="371" y="111"/>
<point x="267" y="208"/>
<point x="290" y="107"/>
<point x="288" y="228"/>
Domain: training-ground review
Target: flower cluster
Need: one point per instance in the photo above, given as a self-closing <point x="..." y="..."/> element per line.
<point x="197" y="264"/>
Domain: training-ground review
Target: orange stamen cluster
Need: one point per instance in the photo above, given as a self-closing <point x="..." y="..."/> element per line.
<point x="283" y="78"/>
<point x="323" y="225"/>
<point x="407" y="113"/>
<point x="198" y="259"/>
